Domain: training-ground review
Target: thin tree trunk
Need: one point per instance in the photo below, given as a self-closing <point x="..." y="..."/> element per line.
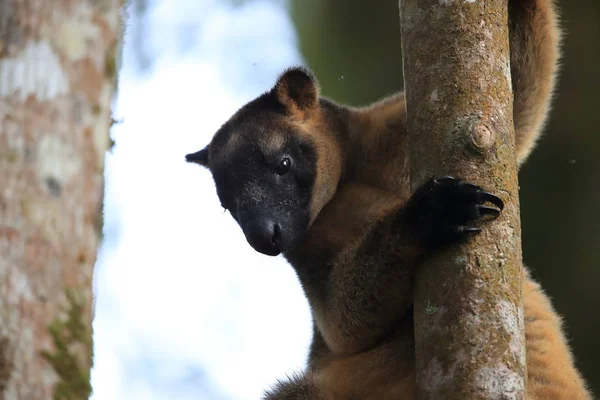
<point x="468" y="312"/>
<point x="57" y="76"/>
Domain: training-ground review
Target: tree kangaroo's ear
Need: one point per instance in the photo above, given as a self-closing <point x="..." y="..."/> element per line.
<point x="297" y="89"/>
<point x="199" y="157"/>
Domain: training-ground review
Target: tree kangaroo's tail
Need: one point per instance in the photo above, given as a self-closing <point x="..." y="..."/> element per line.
<point x="534" y="53"/>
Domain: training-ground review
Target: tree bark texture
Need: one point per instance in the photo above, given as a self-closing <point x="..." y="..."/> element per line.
<point x="57" y="77"/>
<point x="469" y="327"/>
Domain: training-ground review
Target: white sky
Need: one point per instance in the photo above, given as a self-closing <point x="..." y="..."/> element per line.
<point x="185" y="308"/>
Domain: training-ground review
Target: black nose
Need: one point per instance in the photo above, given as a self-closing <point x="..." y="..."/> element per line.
<point x="264" y="236"/>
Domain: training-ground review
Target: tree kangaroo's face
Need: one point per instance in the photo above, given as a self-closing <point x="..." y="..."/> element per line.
<point x="274" y="164"/>
<point x="264" y="172"/>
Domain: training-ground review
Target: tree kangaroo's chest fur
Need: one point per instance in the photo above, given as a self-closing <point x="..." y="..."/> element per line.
<point x="374" y="361"/>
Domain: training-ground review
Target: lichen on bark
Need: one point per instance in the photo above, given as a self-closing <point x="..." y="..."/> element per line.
<point x="71" y="357"/>
<point x="459" y="110"/>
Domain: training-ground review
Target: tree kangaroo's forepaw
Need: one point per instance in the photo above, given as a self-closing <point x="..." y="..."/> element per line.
<point x="443" y="210"/>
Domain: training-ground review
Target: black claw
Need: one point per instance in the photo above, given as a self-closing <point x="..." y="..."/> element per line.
<point x="485" y="210"/>
<point x="468" y="230"/>
<point x="487" y="196"/>
<point x="452" y="234"/>
<point x="472" y="186"/>
<point x="443" y="179"/>
<point x="443" y="208"/>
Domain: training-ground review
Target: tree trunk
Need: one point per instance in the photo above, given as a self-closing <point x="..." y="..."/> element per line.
<point x="57" y="76"/>
<point x="468" y="312"/>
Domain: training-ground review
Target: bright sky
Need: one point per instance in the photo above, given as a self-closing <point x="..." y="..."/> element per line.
<point x="185" y="309"/>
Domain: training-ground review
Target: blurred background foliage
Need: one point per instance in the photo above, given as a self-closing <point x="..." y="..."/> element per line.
<point x="354" y="49"/>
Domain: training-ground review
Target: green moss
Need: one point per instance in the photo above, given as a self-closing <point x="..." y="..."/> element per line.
<point x="431" y="309"/>
<point x="110" y="63"/>
<point x="72" y="355"/>
<point x="111" y="144"/>
<point x="96" y="109"/>
<point x="10" y="156"/>
<point x="99" y="220"/>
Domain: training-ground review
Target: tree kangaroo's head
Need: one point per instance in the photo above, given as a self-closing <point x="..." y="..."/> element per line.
<point x="275" y="163"/>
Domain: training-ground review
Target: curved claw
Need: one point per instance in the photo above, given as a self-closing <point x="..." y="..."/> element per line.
<point x="444" y="179"/>
<point x="468" y="230"/>
<point x="485" y="210"/>
<point x="487" y="196"/>
<point x="472" y="186"/>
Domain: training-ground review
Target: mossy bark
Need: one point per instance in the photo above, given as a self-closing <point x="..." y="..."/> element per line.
<point x="57" y="79"/>
<point x="468" y="311"/>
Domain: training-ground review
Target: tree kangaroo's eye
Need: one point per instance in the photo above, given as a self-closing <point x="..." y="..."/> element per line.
<point x="284" y="166"/>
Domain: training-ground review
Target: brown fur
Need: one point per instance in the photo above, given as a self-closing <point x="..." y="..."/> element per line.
<point x="356" y="261"/>
<point x="534" y="42"/>
<point x="353" y="261"/>
<point x="550" y="368"/>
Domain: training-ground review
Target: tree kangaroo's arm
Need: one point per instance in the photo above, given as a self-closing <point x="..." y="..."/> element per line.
<point x="368" y="287"/>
